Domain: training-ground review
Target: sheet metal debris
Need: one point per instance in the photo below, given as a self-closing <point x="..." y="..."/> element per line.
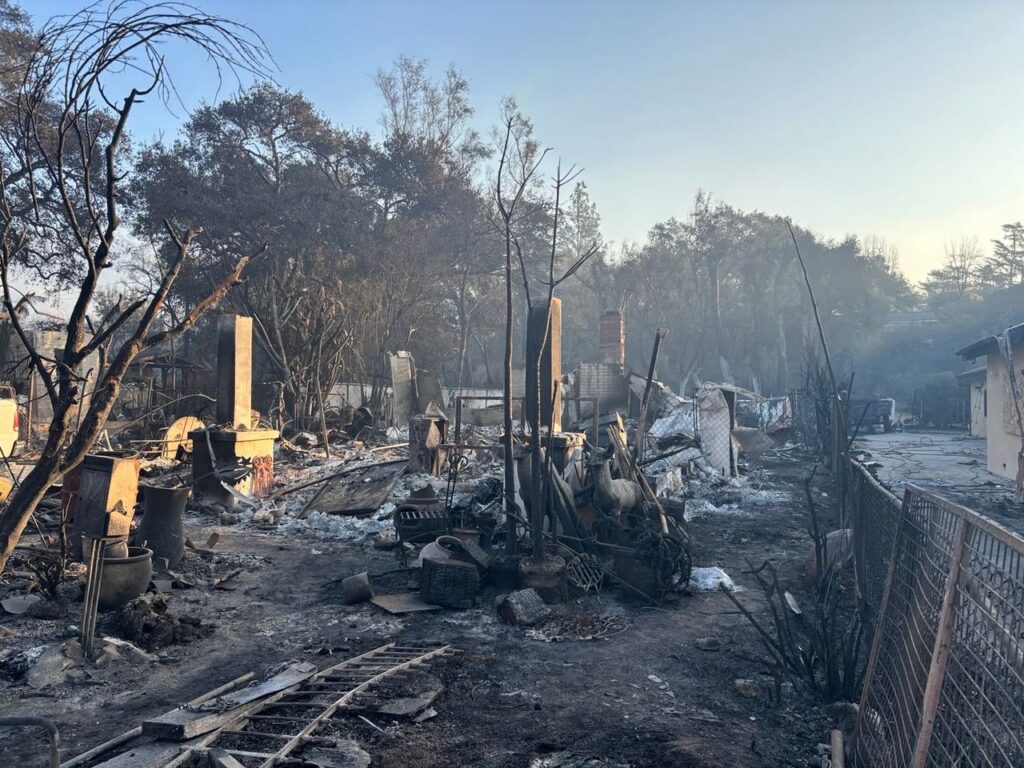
<point x="358" y="493"/>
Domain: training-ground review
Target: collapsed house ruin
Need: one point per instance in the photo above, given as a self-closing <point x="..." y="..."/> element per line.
<point x="628" y="468"/>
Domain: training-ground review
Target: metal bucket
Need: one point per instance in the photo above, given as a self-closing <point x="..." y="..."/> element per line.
<point x="125" y="578"/>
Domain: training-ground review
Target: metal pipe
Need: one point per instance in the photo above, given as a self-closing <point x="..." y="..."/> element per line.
<point x="838" y="750"/>
<point x="31" y="721"/>
<point x="92" y="596"/>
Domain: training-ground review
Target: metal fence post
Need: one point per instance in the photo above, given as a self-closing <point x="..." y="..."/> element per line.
<point x="940" y="651"/>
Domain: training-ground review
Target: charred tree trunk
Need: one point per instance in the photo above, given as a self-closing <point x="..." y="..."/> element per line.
<point x="506" y="438"/>
<point x="782" y="376"/>
<point x="57" y="456"/>
<point x="463" y="332"/>
<point x="714" y="294"/>
<point x="537" y="506"/>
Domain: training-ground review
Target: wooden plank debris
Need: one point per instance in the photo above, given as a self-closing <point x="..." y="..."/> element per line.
<point x="222" y="759"/>
<point x="153" y="754"/>
<point x="181" y="724"/>
<point x="85" y="757"/>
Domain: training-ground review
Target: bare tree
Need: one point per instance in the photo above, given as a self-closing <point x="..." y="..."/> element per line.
<point x="959" y="273"/>
<point x="538" y="482"/>
<point x="521" y="156"/>
<point x="65" y="154"/>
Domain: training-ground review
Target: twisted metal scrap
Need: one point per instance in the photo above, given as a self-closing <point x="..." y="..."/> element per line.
<point x="579" y="628"/>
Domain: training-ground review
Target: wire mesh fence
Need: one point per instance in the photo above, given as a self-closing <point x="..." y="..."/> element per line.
<point x="873" y="512"/>
<point x="716" y="419"/>
<point x="944" y="684"/>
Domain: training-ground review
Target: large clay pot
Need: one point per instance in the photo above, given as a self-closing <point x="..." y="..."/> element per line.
<point x="125" y="578"/>
<point x="161" y="528"/>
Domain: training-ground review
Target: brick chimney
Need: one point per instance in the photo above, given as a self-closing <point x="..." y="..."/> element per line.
<point x="613" y="338"/>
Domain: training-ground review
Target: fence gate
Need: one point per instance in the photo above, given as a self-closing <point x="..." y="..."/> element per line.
<point x="944" y="684"/>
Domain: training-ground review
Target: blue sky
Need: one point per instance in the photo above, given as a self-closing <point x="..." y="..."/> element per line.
<point x="898" y="119"/>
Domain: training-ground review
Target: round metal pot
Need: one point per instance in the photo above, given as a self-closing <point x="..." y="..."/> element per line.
<point x="125" y="578"/>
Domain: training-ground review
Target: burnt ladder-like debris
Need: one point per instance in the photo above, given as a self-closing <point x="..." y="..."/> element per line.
<point x="325" y="694"/>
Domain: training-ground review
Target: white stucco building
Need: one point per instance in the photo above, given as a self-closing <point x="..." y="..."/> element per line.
<point x="999" y="407"/>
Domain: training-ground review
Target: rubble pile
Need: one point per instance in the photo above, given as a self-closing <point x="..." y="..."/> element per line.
<point x="148" y="622"/>
<point x="600" y="507"/>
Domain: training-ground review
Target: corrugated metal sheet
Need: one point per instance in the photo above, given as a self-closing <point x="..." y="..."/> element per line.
<point x="681" y="421"/>
<point x="663" y="400"/>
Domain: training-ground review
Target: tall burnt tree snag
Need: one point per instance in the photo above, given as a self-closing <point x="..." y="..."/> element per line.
<point x="61" y="167"/>
<point x="518" y="201"/>
<point x="541" y="404"/>
<point x="519" y="161"/>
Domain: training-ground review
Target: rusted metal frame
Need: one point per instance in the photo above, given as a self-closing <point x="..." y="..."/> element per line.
<point x="366" y="664"/>
<point x="875" y="485"/>
<point x="306" y="732"/>
<point x="879" y="629"/>
<point x="243" y="716"/>
<point x="997" y="629"/>
<point x="980" y="718"/>
<point x="987" y="525"/>
<point x="257" y="735"/>
<point x="90" y="603"/>
<point x="940" y="650"/>
<point x="983" y="604"/>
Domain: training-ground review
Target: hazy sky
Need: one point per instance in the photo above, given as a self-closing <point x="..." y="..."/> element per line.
<point x="899" y="119"/>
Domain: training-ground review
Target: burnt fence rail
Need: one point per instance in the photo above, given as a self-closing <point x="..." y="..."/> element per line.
<point x="944" y="684"/>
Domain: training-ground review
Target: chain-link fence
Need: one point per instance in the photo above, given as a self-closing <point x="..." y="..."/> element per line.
<point x="716" y="419"/>
<point x="944" y="684"/>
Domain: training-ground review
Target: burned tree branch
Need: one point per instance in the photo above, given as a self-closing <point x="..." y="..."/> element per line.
<point x="57" y="134"/>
